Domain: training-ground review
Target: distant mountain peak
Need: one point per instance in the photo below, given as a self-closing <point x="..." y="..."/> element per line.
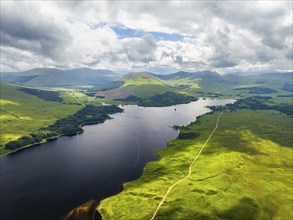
<point x="53" y="77"/>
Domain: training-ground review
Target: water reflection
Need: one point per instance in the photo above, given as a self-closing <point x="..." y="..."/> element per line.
<point x="47" y="181"/>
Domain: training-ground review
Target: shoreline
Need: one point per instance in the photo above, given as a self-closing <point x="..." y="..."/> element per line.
<point x="108" y="118"/>
<point x="176" y="127"/>
<point x="135" y="190"/>
<point x="52" y="138"/>
<point x="95" y="212"/>
<point x="84" y="124"/>
<point x="46" y="140"/>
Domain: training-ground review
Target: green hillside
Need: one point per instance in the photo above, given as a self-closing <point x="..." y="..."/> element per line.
<point x="244" y="172"/>
<point x="144" y="85"/>
<point x="135" y="88"/>
<point x="211" y="84"/>
<point x="23" y="113"/>
<point x="140" y="79"/>
<point x="192" y="80"/>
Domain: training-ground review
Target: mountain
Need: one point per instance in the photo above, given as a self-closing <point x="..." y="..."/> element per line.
<point x="51" y="77"/>
<point x="141" y="84"/>
<point x="146" y="84"/>
<point x="141" y="78"/>
<point x="190" y="75"/>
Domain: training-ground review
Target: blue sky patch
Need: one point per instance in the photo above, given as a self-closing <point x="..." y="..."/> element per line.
<point x="124" y="32"/>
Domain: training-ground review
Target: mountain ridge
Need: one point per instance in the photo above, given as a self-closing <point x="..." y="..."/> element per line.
<point x="53" y="77"/>
<point x="87" y="77"/>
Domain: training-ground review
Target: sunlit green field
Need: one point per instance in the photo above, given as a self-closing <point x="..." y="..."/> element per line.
<point x="22" y="114"/>
<point x="244" y="172"/>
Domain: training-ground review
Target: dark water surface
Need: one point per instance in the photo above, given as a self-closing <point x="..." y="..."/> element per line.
<point x="47" y="181"/>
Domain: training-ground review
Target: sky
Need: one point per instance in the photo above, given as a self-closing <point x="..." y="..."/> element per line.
<point x="157" y="36"/>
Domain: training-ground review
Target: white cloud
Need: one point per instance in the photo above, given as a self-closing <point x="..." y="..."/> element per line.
<point x="220" y="36"/>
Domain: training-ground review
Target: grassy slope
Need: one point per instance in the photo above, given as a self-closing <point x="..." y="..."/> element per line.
<point x="144" y="85"/>
<point x="147" y="84"/>
<point x="140" y="79"/>
<point x="226" y="84"/>
<point x="245" y="172"/>
<point x="22" y="114"/>
<point x="186" y="81"/>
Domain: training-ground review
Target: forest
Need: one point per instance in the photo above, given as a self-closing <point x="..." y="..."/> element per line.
<point x="166" y="99"/>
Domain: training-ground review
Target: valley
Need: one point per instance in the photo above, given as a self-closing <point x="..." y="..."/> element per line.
<point x="146" y="110"/>
<point x="67" y="172"/>
<point x="243" y="171"/>
<point x="22" y="104"/>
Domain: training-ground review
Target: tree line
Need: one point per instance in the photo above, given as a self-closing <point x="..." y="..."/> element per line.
<point x="256" y="103"/>
<point x="70" y="125"/>
<point x="43" y="94"/>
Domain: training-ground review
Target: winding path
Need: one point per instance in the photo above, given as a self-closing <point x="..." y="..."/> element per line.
<point x="189" y="171"/>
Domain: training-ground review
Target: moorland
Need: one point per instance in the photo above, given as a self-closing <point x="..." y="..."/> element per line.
<point x="233" y="163"/>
